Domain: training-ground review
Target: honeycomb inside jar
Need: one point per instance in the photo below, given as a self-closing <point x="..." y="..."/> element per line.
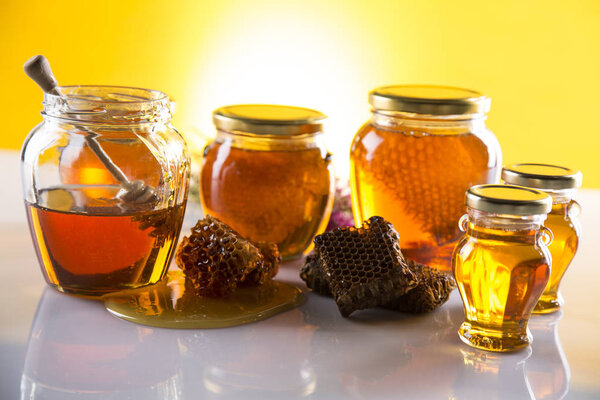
<point x="279" y="195"/>
<point x="416" y="178"/>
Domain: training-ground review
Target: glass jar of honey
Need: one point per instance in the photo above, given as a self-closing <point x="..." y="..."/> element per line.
<point x="413" y="161"/>
<point x="105" y="179"/>
<point x="501" y="264"/>
<point x="268" y="175"/>
<point x="560" y="183"/>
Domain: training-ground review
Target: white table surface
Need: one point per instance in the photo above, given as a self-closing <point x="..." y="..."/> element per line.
<point x="73" y="349"/>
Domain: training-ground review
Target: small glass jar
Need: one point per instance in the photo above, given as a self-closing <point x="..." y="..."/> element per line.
<point x="105" y="181"/>
<point x="560" y="183"/>
<point x="413" y="161"/>
<point x="268" y="175"/>
<point x="501" y="264"/>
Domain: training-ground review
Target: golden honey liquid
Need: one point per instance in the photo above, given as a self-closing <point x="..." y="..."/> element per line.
<point x="417" y="181"/>
<point x="566" y="233"/>
<point x="173" y="304"/>
<point x="272" y="196"/>
<point x="500" y="275"/>
<point x="100" y="249"/>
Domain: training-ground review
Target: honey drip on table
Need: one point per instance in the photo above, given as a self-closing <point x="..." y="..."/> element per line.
<point x="173" y="304"/>
<point x="563" y="247"/>
<point x="417" y="181"/>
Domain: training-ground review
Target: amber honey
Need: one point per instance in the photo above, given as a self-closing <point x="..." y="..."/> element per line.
<point x="500" y="275"/>
<point x="281" y="196"/>
<point x="563" y="248"/>
<point x="268" y="174"/>
<point x="502" y="264"/>
<point x="95" y="250"/>
<point x="416" y="179"/>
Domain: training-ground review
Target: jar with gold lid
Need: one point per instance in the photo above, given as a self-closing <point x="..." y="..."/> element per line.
<point x="560" y="183"/>
<point x="502" y="264"/>
<point x="105" y="182"/>
<point x="413" y="161"/>
<point x="268" y="175"/>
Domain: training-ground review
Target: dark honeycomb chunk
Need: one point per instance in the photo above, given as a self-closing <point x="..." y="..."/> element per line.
<point x="433" y="289"/>
<point x="314" y="277"/>
<point x="215" y="258"/>
<point x="364" y="266"/>
<point x="268" y="268"/>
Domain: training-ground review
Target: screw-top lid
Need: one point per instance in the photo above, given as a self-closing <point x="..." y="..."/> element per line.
<point x="267" y="119"/>
<point x="508" y="199"/>
<point x="542" y="176"/>
<point x="429" y="99"/>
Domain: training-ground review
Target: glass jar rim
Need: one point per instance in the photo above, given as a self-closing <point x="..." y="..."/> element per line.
<point x="122" y="105"/>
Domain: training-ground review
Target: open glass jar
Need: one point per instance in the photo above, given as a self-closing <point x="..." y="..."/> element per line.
<point x="502" y="264"/>
<point x="105" y="181"/>
<point x="413" y="161"/>
<point x="268" y="175"/>
<point x="560" y="183"/>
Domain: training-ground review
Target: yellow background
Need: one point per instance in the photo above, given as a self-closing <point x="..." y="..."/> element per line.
<point x="538" y="60"/>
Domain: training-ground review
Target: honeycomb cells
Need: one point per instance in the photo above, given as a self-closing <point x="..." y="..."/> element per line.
<point x="364" y="266"/>
<point x="416" y="179"/>
<point x="433" y="289"/>
<point x="268" y="268"/>
<point x="216" y="260"/>
<point x="314" y="277"/>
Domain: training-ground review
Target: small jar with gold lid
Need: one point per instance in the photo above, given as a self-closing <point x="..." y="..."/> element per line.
<point x="268" y="175"/>
<point x="413" y="161"/>
<point x="561" y="184"/>
<point x="501" y="264"/>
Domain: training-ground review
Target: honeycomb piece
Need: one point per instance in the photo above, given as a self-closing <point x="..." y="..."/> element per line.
<point x="433" y="289"/>
<point x="215" y="258"/>
<point x="268" y="268"/>
<point x="364" y="265"/>
<point x="314" y="277"/>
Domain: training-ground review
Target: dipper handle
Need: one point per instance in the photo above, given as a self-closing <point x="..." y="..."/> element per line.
<point x="38" y="69"/>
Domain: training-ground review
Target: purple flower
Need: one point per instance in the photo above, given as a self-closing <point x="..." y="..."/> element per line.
<point x="342" y="207"/>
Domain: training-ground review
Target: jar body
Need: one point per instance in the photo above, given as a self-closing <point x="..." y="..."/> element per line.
<point x="565" y="226"/>
<point x="88" y="240"/>
<point x="501" y="266"/>
<point x="414" y="173"/>
<point x="273" y="189"/>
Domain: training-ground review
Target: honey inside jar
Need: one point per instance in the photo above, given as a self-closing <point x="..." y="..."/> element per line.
<point x="105" y="180"/>
<point x="413" y="169"/>
<point x="560" y="183"/>
<point x="501" y="266"/>
<point x="273" y="183"/>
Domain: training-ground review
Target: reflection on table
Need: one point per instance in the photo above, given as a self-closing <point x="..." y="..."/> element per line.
<point x="78" y="350"/>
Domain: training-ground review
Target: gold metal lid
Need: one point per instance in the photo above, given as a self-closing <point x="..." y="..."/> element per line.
<point x="508" y="199"/>
<point x="542" y="176"/>
<point x="429" y="99"/>
<point x="267" y="119"/>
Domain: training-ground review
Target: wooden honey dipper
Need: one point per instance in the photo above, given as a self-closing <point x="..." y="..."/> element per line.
<point x="38" y="69"/>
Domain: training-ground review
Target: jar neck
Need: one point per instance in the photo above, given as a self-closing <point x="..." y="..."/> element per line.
<point x="514" y="224"/>
<point x="560" y="196"/>
<point x="251" y="141"/>
<point x="112" y="105"/>
<point x="397" y="120"/>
